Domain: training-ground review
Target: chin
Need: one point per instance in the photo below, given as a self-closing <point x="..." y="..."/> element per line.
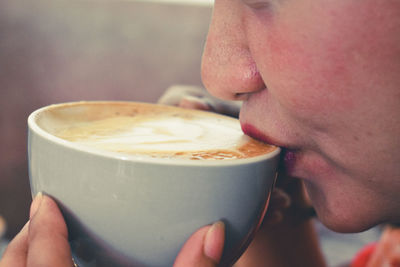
<point x="341" y="224"/>
<point x="340" y="216"/>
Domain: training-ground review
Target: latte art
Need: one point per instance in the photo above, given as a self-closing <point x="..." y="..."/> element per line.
<point x="164" y="132"/>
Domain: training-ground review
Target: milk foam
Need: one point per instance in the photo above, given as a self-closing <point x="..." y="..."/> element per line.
<point x="164" y="133"/>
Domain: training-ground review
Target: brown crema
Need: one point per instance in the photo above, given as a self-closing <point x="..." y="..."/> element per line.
<point x="151" y="130"/>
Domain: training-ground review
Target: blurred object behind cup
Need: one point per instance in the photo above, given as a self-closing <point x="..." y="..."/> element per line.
<point x="196" y="97"/>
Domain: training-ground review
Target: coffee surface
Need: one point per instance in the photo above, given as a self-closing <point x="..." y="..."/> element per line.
<point x="159" y="131"/>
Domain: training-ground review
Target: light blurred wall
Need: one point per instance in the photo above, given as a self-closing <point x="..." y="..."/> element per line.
<point x="56" y="51"/>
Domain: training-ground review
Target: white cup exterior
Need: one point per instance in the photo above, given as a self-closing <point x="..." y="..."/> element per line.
<point x="127" y="211"/>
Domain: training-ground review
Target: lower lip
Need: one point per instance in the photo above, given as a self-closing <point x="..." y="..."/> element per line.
<point x="288" y="156"/>
<point x="255" y="133"/>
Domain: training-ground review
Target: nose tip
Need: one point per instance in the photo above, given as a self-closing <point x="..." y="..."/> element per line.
<point x="229" y="72"/>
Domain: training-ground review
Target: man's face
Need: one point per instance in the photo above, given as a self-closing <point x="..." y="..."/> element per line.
<point x="322" y="79"/>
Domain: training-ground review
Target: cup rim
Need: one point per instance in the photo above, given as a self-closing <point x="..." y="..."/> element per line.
<point x="34" y="127"/>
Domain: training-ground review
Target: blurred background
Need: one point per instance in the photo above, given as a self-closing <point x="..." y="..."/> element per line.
<point x="55" y="51"/>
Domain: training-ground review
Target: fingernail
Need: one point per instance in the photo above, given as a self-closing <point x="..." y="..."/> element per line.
<point x="35" y="204"/>
<point x="214" y="241"/>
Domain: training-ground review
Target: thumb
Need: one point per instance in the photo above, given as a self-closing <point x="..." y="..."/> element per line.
<point x="48" y="235"/>
<point x="204" y="248"/>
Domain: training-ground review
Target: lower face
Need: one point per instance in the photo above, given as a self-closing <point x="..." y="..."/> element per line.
<point x="331" y="71"/>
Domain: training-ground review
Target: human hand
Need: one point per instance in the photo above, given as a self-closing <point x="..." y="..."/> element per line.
<point x="289" y="202"/>
<point x="287" y="236"/>
<point x="387" y="250"/>
<point x="204" y="248"/>
<point x="43" y="241"/>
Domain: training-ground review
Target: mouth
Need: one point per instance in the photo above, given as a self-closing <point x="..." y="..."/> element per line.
<point x="288" y="155"/>
<point x="255" y="133"/>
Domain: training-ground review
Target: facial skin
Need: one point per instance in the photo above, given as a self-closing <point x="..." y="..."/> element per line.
<point x="322" y="79"/>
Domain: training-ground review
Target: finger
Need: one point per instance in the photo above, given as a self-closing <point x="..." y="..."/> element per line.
<point x="280" y="199"/>
<point x="16" y="252"/>
<point x="204" y="248"/>
<point x="387" y="252"/>
<point x="273" y="218"/>
<point x="48" y="236"/>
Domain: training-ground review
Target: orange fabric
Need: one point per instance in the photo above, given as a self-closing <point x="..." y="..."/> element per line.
<point x="362" y="257"/>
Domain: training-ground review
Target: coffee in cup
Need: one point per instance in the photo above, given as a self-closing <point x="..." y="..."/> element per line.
<point x="158" y="131"/>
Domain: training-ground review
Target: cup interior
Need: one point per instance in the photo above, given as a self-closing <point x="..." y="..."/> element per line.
<point x="48" y="121"/>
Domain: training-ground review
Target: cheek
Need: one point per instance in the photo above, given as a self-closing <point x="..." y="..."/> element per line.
<point x="310" y="58"/>
<point x="304" y="84"/>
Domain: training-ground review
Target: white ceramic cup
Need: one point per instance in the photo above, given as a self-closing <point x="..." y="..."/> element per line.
<point x="127" y="211"/>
